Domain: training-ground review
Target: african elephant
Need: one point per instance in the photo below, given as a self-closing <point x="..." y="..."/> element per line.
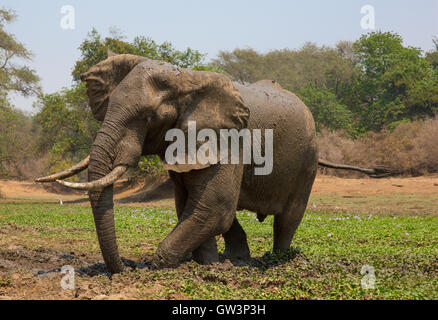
<point x="139" y="100"/>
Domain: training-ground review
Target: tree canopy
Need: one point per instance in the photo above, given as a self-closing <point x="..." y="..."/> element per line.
<point x="16" y="142"/>
<point x="67" y="124"/>
<point x="95" y="49"/>
<point x="395" y="84"/>
<point x="371" y="84"/>
<point x="13" y="77"/>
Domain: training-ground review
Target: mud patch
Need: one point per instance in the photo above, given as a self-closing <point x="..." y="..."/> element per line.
<point x="42" y="261"/>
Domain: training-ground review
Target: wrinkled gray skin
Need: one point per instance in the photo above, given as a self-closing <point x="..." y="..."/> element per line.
<point x="139" y="99"/>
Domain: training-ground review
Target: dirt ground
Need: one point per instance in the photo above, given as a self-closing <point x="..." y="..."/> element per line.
<point x="418" y="185"/>
<point x="328" y="192"/>
<point x="417" y="195"/>
<point x="324" y="185"/>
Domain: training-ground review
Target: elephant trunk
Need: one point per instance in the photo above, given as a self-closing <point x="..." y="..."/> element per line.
<point x="102" y="204"/>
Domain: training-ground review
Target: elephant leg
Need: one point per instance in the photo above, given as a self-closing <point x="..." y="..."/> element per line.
<point x="236" y="244"/>
<point x="209" y="211"/>
<point x="180" y="200"/>
<point x="206" y="253"/>
<point x="180" y="193"/>
<point x="286" y="223"/>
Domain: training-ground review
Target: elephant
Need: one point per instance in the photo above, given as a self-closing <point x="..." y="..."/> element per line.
<point x="138" y="100"/>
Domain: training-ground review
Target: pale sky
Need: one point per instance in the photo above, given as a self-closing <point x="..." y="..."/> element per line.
<point x="207" y="26"/>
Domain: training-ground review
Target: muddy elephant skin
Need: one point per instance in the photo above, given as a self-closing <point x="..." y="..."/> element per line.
<point x="138" y="100"/>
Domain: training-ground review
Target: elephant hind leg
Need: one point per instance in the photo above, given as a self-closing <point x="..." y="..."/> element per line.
<point x="286" y="223"/>
<point x="236" y="244"/>
<point x="207" y="253"/>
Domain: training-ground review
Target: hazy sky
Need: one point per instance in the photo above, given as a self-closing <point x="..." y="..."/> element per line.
<point x="208" y="26"/>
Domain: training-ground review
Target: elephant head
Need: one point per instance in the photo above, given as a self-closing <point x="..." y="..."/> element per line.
<point x="138" y="100"/>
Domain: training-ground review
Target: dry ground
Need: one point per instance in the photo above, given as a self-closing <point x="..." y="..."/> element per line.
<point x="417" y="195"/>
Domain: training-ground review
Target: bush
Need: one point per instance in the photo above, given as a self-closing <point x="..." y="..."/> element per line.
<point x="151" y="165"/>
<point x="412" y="148"/>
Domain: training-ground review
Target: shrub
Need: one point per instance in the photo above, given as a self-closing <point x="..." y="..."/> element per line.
<point x="411" y="148"/>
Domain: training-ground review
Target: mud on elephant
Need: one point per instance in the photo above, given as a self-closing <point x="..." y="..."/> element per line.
<point x="138" y="100"/>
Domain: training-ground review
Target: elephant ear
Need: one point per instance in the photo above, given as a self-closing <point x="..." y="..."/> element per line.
<point x="207" y="99"/>
<point x="104" y="77"/>
<point x="176" y="98"/>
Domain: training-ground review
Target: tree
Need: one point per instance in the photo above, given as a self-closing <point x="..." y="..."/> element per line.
<point x="432" y="56"/>
<point x="390" y="76"/>
<point x="21" y="79"/>
<point x="16" y="139"/>
<point x="67" y="124"/>
<point x="95" y="49"/>
<point x="243" y="65"/>
<point x="322" y="67"/>
<point x="321" y="76"/>
<point x="327" y="111"/>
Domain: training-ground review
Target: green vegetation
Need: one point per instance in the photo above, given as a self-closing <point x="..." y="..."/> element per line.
<point x="67" y="124"/>
<point x="361" y="90"/>
<point x="13" y="77"/>
<point x="16" y="142"/>
<point x="396" y="83"/>
<point x="67" y="127"/>
<point x="95" y="49"/>
<point x="332" y="248"/>
<point x="371" y="84"/>
<point x="15" y="127"/>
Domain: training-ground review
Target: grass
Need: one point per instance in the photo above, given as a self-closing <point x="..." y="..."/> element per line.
<point x="330" y="248"/>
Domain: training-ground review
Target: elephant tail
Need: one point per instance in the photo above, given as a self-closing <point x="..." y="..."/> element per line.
<point x="376" y="172"/>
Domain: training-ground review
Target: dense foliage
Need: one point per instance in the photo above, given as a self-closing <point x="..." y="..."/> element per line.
<point x="95" y="49"/>
<point x="13" y="77"/>
<point x="67" y="124"/>
<point x="373" y="84"/>
<point x="16" y="142"/>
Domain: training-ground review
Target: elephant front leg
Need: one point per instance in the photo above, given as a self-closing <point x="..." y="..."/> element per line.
<point x="209" y="211"/>
<point x="207" y="252"/>
<point x="195" y="230"/>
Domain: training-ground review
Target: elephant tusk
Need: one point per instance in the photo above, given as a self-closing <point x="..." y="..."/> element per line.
<point x="106" y="181"/>
<point x="81" y="166"/>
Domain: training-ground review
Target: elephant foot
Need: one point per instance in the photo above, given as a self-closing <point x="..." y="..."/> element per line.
<point x="207" y="253"/>
<point x="237" y="253"/>
<point x="129" y="264"/>
<point x="163" y="259"/>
